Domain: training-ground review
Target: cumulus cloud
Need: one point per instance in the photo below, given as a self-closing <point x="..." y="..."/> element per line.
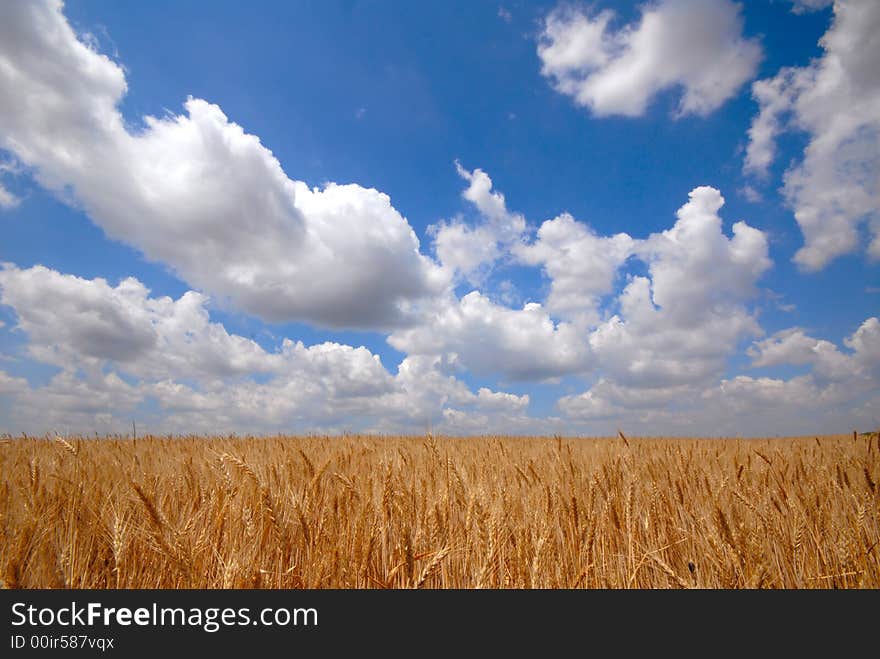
<point x="608" y="400"/>
<point x="838" y="391"/>
<point x="581" y="265"/>
<point x="119" y="348"/>
<point x="10" y="384"/>
<point x="416" y="398"/>
<point x="828" y="362"/>
<point x="774" y="101"/>
<point x="195" y="191"/>
<point x="7" y="199"/>
<point x="670" y="331"/>
<point x="69" y="402"/>
<point x="84" y="323"/>
<point x="865" y="343"/>
<point x="804" y="6"/>
<point x="695" y="267"/>
<point x="766" y="405"/>
<point x="835" y="187"/>
<point x="838" y="383"/>
<point x="681" y="323"/>
<point x="695" y="46"/>
<point x="486" y="338"/>
<point x="675" y="328"/>
<point x="472" y="250"/>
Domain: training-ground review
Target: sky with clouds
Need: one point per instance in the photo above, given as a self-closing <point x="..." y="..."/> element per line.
<point x="472" y="218"/>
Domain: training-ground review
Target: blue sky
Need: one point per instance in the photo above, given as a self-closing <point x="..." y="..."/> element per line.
<point x="481" y="122"/>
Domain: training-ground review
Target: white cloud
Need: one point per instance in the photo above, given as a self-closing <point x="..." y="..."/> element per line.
<point x="10" y="384"/>
<point x="196" y="192"/>
<point x="415" y="399"/>
<point x="464" y="249"/>
<point x="582" y="266"/>
<point x="804" y="6"/>
<point x="8" y="200"/>
<point x="608" y="400"/>
<point x="119" y="348"/>
<point x="828" y="363"/>
<point x="838" y="392"/>
<point x="681" y="324"/>
<point x="491" y="203"/>
<point x="751" y="194"/>
<point x="74" y="322"/>
<point x="472" y="250"/>
<point x="480" y="336"/>
<point x="794" y="347"/>
<point x="81" y="324"/>
<point x="835" y="188"/>
<point x="588" y="406"/>
<point x="71" y="402"/>
<point x="693" y="45"/>
<point x="809" y="403"/>
<point x="648" y="346"/>
<point x="774" y="99"/>
<point x="695" y="267"/>
<point x="501" y="400"/>
<point x="865" y="342"/>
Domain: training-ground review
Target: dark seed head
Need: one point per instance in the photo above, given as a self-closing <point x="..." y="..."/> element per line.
<point x="691" y="566"/>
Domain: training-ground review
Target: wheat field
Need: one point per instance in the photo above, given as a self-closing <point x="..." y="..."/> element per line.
<point x="437" y="512"/>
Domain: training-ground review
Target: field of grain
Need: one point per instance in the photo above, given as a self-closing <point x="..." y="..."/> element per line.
<point x="434" y="512"/>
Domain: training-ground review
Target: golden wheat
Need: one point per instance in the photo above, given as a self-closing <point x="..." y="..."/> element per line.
<point x="436" y="512"/>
